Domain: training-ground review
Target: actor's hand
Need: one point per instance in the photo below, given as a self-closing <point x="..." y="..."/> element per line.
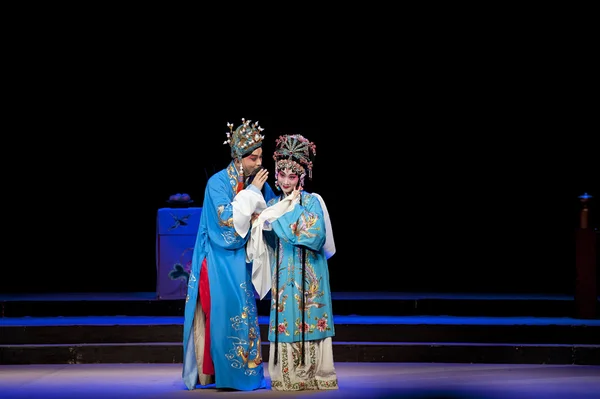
<point x="260" y="178"/>
<point x="296" y="193"/>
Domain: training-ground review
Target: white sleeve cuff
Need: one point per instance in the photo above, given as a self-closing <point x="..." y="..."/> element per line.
<point x="246" y="203"/>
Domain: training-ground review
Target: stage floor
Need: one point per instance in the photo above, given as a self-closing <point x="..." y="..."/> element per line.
<point x="371" y="295"/>
<point x="356" y="380"/>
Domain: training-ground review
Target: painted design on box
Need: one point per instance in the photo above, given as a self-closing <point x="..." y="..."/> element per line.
<point x="179" y="221"/>
<point x="181" y="270"/>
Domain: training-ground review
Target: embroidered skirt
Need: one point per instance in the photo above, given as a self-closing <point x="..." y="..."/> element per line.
<point x="316" y="373"/>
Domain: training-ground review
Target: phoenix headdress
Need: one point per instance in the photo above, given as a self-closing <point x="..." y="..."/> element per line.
<point x="296" y="153"/>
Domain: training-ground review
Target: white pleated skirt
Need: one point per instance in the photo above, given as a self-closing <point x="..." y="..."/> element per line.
<point x="289" y="374"/>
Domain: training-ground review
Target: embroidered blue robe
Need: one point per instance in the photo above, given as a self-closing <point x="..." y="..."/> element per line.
<point x="300" y="233"/>
<point x="235" y="342"/>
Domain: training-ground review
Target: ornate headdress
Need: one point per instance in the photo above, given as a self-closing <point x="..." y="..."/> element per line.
<point x="294" y="152"/>
<point x="245" y="139"/>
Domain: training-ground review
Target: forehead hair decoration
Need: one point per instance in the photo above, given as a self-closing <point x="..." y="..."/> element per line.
<point x="245" y="139"/>
<point x="296" y="153"/>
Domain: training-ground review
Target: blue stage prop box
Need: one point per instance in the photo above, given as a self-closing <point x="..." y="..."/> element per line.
<point x="176" y="230"/>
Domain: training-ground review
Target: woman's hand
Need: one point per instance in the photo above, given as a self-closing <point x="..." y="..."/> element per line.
<point x="296" y="193"/>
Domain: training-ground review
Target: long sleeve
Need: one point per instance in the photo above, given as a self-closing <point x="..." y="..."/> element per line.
<point x="329" y="246"/>
<point x="304" y="225"/>
<point x="245" y="204"/>
<point x="257" y="251"/>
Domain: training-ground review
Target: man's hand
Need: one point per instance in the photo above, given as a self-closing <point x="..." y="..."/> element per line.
<point x="260" y="178"/>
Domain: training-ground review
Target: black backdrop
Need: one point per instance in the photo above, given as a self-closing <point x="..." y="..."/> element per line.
<point x="414" y="208"/>
<point x="442" y="175"/>
<point x="450" y="152"/>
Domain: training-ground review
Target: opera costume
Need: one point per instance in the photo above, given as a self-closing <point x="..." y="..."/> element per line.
<point x="294" y="238"/>
<point x="221" y="335"/>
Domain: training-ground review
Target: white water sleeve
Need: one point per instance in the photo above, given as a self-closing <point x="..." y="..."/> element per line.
<point x="257" y="251"/>
<point x="246" y="203"/>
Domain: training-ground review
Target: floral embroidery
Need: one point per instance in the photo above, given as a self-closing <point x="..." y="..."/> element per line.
<point x="322" y="324"/>
<point x="311" y="380"/>
<point x="282" y="328"/>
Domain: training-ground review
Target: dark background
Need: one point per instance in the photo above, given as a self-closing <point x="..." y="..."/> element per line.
<point x="414" y="209"/>
<point x="448" y="164"/>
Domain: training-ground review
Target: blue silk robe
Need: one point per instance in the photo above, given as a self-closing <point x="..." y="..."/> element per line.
<point x="235" y="344"/>
<point x="304" y="226"/>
